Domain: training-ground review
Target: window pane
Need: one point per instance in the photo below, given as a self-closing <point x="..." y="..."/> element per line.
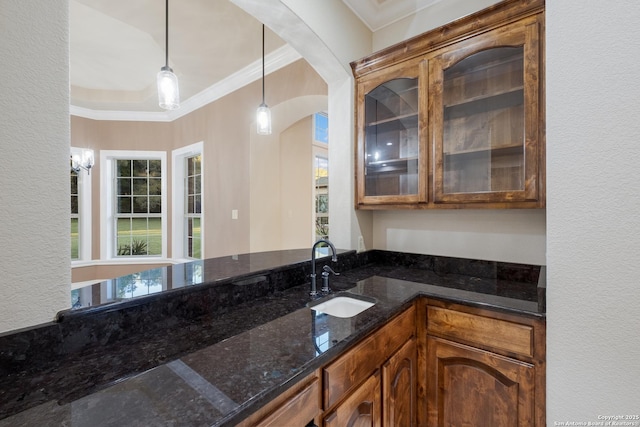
<point x="191" y="186"/>
<point x="190" y="204"/>
<point x="155" y="236"/>
<point x="75" y="243"/>
<point x="123" y="168"/>
<point x="155" y="186"/>
<point x="140" y="168"/>
<point x="155" y="204"/>
<point x="190" y="166"/>
<point x="140" y="204"/>
<point x="124" y="204"/>
<point x="321" y="131"/>
<point x="124" y="236"/>
<point x="140" y="186"/>
<point x="74" y="183"/>
<point x="74" y="205"/>
<point x="322" y="203"/>
<point x="198" y="206"/>
<point x="197" y="164"/>
<point x="155" y="168"/>
<point x="124" y="186"/>
<point x="196" y="240"/>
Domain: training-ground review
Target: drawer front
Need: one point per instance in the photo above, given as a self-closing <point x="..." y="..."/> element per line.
<point x="299" y="410"/>
<point x="484" y="331"/>
<point x="361" y="361"/>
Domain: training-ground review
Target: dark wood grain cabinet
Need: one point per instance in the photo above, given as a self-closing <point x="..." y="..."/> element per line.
<point x="362" y="408"/>
<point x="476" y="387"/>
<point x="454" y="118"/>
<point x="399" y="382"/>
<point x="300" y="406"/>
<point x="484" y="368"/>
<point x="374" y="383"/>
<point x="392" y="151"/>
<point x="435" y="364"/>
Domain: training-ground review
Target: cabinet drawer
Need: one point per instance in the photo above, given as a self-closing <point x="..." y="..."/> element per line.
<point x="295" y="407"/>
<point x="303" y="407"/>
<point x="361" y="361"/>
<point x="484" y="331"/>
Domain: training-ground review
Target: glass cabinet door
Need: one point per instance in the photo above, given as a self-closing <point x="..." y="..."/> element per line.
<point x="390" y="168"/>
<point x="485" y="119"/>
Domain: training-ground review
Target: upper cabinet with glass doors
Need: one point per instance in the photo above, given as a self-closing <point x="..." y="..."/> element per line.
<point x="484" y="118"/>
<point x="477" y="135"/>
<point x="389" y="138"/>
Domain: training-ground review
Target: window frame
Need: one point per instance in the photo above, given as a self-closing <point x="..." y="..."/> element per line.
<point x="108" y="230"/>
<point x="179" y="231"/>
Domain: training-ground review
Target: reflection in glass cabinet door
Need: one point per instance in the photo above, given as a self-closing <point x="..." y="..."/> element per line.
<point x="391" y="138"/>
<point x="483" y="129"/>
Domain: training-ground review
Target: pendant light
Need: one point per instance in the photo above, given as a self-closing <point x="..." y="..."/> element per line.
<point x="263" y="115"/>
<point x="168" y="94"/>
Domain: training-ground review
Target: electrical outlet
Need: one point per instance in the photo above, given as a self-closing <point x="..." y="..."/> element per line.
<point x="361" y="247"/>
<point x="234" y="214"/>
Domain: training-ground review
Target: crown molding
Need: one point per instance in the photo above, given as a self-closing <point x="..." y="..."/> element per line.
<point x="274" y="61"/>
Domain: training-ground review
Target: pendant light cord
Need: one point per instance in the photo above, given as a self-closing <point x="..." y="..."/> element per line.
<point x="166" y="33"/>
<point x="262" y="62"/>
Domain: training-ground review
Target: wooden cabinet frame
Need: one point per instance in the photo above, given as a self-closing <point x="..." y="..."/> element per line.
<point x="398" y="374"/>
<point x="481" y="344"/>
<point x="511" y="22"/>
<point x="416" y="69"/>
<point x="524" y="33"/>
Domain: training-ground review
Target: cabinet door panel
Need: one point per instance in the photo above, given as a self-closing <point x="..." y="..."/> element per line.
<point x="484" y="117"/>
<point x="361" y="409"/>
<point x="399" y="384"/>
<point x="391" y="166"/>
<point x="357" y="364"/>
<point x="470" y="387"/>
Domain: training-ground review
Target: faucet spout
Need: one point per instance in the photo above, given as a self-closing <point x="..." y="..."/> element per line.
<point x="334" y="258"/>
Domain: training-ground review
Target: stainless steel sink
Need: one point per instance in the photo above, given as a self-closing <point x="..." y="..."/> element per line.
<point x="342" y="306"/>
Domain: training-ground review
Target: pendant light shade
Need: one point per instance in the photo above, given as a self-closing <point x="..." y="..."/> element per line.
<point x="263" y="119"/>
<point x="263" y="114"/>
<point x="168" y="93"/>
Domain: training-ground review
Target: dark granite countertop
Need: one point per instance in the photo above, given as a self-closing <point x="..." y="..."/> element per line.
<point x="265" y="344"/>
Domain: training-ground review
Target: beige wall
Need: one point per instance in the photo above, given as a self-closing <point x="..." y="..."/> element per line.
<point x="281" y="182"/>
<point x="296" y="184"/>
<point x="227" y="130"/>
<point x="281" y="189"/>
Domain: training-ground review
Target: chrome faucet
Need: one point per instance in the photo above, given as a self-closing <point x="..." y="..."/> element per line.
<point x="334" y="258"/>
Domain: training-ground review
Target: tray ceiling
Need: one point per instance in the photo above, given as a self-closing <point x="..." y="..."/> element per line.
<point x="117" y="47"/>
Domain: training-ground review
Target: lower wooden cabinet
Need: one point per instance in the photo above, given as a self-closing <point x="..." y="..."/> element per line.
<point x="457" y="366"/>
<point x="362" y="408"/>
<point x="472" y="387"/>
<point x="297" y="407"/>
<point x="483" y="367"/>
<point x="374" y="383"/>
<point x="399" y="381"/>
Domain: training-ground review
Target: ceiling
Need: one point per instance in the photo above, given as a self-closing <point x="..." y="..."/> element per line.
<point x="118" y="46"/>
